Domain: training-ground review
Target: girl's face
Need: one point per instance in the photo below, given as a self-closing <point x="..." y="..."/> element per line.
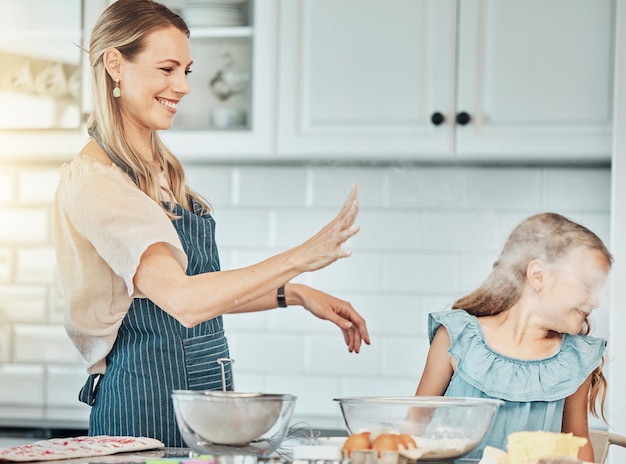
<point x="153" y="83"/>
<point x="571" y="289"/>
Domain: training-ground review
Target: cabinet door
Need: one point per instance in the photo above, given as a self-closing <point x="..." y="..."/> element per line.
<point x="535" y="76"/>
<point x="362" y="78"/>
<point x="37" y="39"/>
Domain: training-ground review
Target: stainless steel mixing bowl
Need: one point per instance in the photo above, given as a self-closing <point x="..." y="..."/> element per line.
<point x="218" y="422"/>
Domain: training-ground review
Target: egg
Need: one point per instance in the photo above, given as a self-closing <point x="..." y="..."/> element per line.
<point x="357" y="441"/>
<point x="385" y="442"/>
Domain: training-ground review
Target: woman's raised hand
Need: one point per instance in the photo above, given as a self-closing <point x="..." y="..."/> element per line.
<point x="324" y="247"/>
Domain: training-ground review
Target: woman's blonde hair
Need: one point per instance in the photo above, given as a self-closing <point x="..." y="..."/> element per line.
<point x="545" y="236"/>
<point x="124" y="25"/>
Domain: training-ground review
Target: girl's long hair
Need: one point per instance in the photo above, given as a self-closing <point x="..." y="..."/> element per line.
<point x="545" y="236"/>
<point x="124" y="25"/>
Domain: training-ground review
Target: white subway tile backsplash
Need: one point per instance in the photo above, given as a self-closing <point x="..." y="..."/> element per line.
<point x="331" y="186"/>
<point x="24" y="226"/>
<point x="404" y="357"/>
<point x="6" y="262"/>
<point x="501" y="188"/>
<point x="348" y="273"/>
<point x="380" y="385"/>
<point x="7" y="186"/>
<point x="22" y="385"/>
<point x="214" y="183"/>
<point x="5" y="343"/>
<point x="77" y="415"/>
<point x="459" y="231"/>
<point x="276" y="186"/>
<point x="328" y="354"/>
<point x="420" y="187"/>
<point x="246" y="382"/>
<point x="474" y="270"/>
<point x="434" y="303"/>
<point x="32" y="414"/>
<point x="37" y="186"/>
<point x="250" y="321"/>
<point x="387" y="315"/>
<point x="429" y="234"/>
<point x="295" y="319"/>
<point x="242" y="228"/>
<point x="577" y="190"/>
<point x="36" y="265"/>
<point x="315" y="393"/>
<point x="44" y="344"/>
<point x="23" y="303"/>
<point x="56" y="305"/>
<point x="268" y="352"/>
<point x="422" y="272"/>
<point x="63" y="384"/>
<point x="389" y="230"/>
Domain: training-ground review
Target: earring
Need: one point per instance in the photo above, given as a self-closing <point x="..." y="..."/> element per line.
<point x="116" y="90"/>
<point x="538" y="289"/>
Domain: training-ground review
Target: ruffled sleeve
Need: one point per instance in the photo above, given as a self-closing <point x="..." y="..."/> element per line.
<point x="118" y="219"/>
<point x="498" y="376"/>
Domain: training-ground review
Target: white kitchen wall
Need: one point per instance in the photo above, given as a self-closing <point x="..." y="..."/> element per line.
<point x="429" y="234"/>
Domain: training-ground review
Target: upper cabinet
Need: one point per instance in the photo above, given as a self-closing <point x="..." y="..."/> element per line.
<point x="41" y="77"/>
<point x="444" y="80"/>
<point x="230" y="111"/>
<point x="44" y="78"/>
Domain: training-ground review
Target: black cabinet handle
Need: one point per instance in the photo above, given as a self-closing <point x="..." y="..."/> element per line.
<point x="463" y="118"/>
<point x="437" y="118"/>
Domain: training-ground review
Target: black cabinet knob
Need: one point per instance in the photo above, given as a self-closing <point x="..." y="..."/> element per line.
<point x="463" y="118"/>
<point x="437" y="118"/>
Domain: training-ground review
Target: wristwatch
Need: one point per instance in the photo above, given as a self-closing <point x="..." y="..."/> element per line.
<point x="280" y="297"/>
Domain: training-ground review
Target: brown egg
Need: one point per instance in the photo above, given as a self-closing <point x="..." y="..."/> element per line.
<point x="385" y="442"/>
<point x="357" y="441"/>
<point x="407" y="441"/>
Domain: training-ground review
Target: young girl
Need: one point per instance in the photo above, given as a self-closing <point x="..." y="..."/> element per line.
<point x="522" y="335"/>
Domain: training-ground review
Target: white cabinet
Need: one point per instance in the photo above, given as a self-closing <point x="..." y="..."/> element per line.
<point x="243" y="124"/>
<point x="42" y="89"/>
<point x="364" y="78"/>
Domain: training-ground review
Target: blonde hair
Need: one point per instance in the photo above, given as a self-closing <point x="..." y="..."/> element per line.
<point x="124" y="25"/>
<point x="549" y="237"/>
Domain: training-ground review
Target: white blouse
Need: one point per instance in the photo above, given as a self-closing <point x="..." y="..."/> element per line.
<point x="102" y="224"/>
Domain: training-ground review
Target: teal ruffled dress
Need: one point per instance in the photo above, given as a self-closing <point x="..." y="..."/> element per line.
<point x="533" y="391"/>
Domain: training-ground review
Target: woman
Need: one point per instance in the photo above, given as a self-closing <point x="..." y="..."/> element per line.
<point x="135" y="245"/>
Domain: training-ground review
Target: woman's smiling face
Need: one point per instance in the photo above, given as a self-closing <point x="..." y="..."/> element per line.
<point x="153" y="83"/>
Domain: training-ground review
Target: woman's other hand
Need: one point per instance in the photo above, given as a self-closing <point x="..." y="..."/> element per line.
<point x="335" y="310"/>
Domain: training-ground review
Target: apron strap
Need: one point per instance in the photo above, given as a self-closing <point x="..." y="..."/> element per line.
<point x="89" y="391"/>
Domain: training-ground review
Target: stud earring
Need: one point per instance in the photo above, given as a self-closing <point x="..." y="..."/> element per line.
<point x="538" y="289"/>
<point x="116" y="90"/>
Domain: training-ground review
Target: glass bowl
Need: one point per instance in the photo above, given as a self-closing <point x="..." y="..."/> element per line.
<point x="215" y="422"/>
<point x="442" y="427"/>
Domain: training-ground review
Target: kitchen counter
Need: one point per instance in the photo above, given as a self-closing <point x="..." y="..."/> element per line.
<point x="183" y="454"/>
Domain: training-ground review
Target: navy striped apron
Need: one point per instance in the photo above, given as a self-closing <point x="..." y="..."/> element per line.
<point x="154" y="354"/>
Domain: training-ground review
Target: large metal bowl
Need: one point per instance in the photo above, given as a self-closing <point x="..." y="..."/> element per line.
<point x="217" y="422"/>
<point x="442" y="427"/>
